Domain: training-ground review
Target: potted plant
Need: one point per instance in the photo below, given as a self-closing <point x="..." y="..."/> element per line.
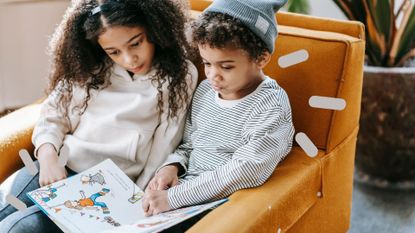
<point x="386" y="143"/>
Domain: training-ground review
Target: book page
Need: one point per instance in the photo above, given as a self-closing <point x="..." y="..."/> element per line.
<point x="101" y="198"/>
<point x="165" y="220"/>
<point x="104" y="199"/>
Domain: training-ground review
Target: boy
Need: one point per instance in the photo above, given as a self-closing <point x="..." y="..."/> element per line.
<point x="240" y="125"/>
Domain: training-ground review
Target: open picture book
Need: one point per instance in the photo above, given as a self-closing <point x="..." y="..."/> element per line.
<point x="105" y="199"/>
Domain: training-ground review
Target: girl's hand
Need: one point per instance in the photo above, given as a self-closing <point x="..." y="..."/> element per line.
<point x="155" y="202"/>
<point x="165" y="178"/>
<point x="49" y="171"/>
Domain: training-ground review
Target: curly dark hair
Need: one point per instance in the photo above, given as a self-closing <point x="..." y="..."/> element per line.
<point x="220" y="30"/>
<point x="77" y="58"/>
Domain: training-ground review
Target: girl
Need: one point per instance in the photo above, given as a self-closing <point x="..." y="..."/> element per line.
<point x="119" y="88"/>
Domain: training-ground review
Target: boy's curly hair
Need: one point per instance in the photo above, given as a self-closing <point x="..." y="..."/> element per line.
<point x="219" y="30"/>
<point x="77" y="58"/>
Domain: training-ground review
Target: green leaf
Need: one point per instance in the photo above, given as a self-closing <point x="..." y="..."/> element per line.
<point x="382" y="37"/>
<point x="298" y="6"/>
<point x="375" y="40"/>
<point x="382" y="15"/>
<point x="358" y="9"/>
<point x="408" y="37"/>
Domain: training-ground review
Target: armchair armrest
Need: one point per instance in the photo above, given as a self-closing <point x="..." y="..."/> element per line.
<point x="15" y="134"/>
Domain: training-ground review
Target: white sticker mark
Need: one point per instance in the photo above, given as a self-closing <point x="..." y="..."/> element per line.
<point x="28" y="162"/>
<point x="293" y="58"/>
<point x="16" y="203"/>
<point x="327" y="102"/>
<point x="306" y="144"/>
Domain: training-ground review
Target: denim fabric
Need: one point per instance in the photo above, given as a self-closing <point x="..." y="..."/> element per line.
<point x="31" y="219"/>
<point x="17" y="185"/>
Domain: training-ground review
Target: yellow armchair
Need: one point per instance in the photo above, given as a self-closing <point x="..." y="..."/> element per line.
<point x="304" y="194"/>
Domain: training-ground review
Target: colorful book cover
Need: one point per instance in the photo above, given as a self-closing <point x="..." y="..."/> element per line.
<point x="104" y="199"/>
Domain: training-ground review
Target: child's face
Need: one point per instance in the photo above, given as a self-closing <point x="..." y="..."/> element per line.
<point x="231" y="72"/>
<point x="129" y="47"/>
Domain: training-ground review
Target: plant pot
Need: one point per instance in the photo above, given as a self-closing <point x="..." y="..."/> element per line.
<point x="386" y="141"/>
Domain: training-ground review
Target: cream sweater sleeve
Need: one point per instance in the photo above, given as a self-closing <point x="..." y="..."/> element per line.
<point x="52" y="125"/>
<point x="167" y="135"/>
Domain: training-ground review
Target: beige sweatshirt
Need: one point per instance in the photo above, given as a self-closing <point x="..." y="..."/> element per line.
<point x="121" y="123"/>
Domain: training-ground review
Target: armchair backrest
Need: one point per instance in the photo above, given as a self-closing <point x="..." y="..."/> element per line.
<point x="334" y="68"/>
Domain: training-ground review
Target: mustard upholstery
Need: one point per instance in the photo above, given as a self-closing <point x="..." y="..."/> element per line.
<point x="15" y="133"/>
<point x="304" y="194"/>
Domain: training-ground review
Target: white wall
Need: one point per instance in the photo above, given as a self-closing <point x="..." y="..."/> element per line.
<point x="25" y="27"/>
<point x="325" y="8"/>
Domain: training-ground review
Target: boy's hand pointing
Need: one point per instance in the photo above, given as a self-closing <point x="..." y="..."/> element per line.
<point x="155" y="202"/>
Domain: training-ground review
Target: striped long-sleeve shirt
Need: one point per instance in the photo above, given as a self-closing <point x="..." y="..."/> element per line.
<point x="231" y="145"/>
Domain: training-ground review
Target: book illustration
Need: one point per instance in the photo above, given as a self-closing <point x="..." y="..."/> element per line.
<point x="162" y="221"/>
<point x="91" y="201"/>
<point x="170" y="216"/>
<point x="47" y="193"/>
<point x="97" y="199"/>
<point x="152" y="224"/>
<point x="181" y="212"/>
<point x="137" y="195"/>
<point x="111" y="221"/>
<point x="103" y="199"/>
<point x="97" y="178"/>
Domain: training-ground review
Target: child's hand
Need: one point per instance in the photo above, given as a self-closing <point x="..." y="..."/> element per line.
<point x="165" y="178"/>
<point x="50" y="171"/>
<point x="155" y="202"/>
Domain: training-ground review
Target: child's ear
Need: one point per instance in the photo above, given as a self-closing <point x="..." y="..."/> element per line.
<point x="263" y="60"/>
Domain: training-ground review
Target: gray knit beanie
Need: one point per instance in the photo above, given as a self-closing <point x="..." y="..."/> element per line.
<point x="257" y="15"/>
